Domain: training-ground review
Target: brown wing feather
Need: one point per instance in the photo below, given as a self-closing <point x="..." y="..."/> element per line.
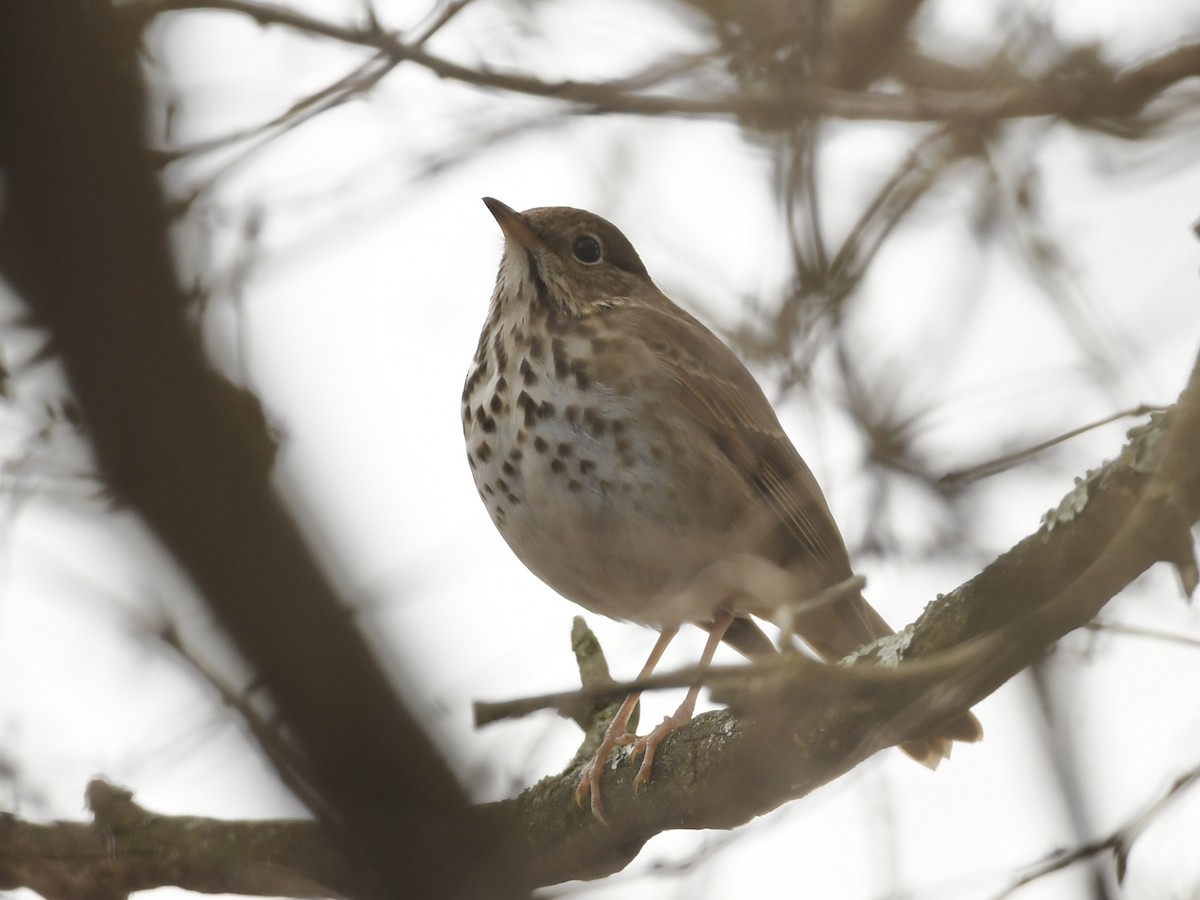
<point x="723" y="397"/>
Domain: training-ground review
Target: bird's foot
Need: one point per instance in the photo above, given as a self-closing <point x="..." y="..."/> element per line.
<point x="589" y="781"/>
<point x="647" y="745"/>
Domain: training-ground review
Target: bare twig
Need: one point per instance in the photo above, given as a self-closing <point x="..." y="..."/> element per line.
<point x="362" y="79"/>
<point x="1120" y="842"/>
<point x="1153" y="634"/>
<point x="288" y="761"/>
<point x="961" y="477"/>
<point x="1123" y="95"/>
<point x="128" y="848"/>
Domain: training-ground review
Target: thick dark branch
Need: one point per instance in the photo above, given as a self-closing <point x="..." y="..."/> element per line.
<point x="126" y="849"/>
<point x="84" y="241"/>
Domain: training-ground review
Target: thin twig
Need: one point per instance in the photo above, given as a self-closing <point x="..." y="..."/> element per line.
<point x="1119" y="841"/>
<point x="438" y="20"/>
<point x="961" y="477"/>
<point x="1153" y="634"/>
<point x="362" y="79"/>
<point x="1124" y="95"/>
<point x="284" y="756"/>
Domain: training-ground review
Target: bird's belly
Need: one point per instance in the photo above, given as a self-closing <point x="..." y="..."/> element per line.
<point x="600" y="553"/>
<point x="587" y="496"/>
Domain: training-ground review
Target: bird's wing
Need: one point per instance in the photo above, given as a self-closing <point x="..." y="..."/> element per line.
<point x="723" y="397"/>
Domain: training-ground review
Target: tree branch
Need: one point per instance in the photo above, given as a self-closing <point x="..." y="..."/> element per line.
<point x="1120" y="841"/>
<point x="794" y="725"/>
<point x="127" y="848"/>
<point x="84" y="241"/>
<point x="1105" y="94"/>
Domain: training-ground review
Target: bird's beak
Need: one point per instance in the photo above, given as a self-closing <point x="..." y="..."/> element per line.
<point x="513" y="224"/>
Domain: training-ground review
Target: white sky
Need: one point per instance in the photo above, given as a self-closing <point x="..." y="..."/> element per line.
<point x="357" y="327"/>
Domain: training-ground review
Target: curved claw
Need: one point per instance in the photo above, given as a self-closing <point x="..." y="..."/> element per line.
<point x="589" y="783"/>
<point x="589" y="780"/>
<point x="617" y="734"/>
<point x="648" y="744"/>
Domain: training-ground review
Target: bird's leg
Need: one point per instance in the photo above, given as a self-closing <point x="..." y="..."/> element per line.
<point x="617" y="734"/>
<point x="648" y="744"/>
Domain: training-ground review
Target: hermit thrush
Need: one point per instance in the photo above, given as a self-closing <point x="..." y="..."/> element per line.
<point x="633" y="464"/>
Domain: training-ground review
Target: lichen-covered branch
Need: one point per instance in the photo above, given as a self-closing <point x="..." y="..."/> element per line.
<point x="127" y="848"/>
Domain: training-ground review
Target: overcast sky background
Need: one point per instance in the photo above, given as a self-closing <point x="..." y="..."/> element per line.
<point x="356" y="320"/>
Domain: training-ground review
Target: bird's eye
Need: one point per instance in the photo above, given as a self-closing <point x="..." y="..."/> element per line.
<point x="586" y="249"/>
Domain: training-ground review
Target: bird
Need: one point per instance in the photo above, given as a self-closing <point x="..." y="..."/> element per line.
<point x="632" y="463"/>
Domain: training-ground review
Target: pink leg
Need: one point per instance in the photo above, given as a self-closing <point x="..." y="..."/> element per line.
<point x="648" y="745"/>
<point x="617" y="734"/>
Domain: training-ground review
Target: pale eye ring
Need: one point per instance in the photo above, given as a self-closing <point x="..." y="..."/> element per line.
<point x="586" y="249"/>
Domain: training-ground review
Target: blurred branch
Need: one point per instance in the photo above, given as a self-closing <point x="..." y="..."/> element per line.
<point x="1000" y="464"/>
<point x="1104" y="94"/>
<point x="806" y="319"/>
<point x="438" y="19"/>
<point x="1067" y="757"/>
<point x="926" y="163"/>
<point x="287" y="760"/>
<point x="1151" y="634"/>
<point x="364" y="77"/>
<point x="1119" y="843"/>
<point x="579" y="705"/>
<point x="127" y="848"/>
<point x="83" y="240"/>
